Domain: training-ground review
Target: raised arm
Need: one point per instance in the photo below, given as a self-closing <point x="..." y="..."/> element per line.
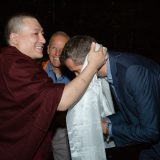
<point x="76" y="88"/>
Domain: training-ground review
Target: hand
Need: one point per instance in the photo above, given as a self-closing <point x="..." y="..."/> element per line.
<point x="104" y="128"/>
<point x="96" y="58"/>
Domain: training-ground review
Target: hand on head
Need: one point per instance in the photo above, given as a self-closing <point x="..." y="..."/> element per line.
<point x="96" y="58"/>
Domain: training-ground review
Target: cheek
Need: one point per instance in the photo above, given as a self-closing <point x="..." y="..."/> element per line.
<point x="67" y="65"/>
<point x="76" y="73"/>
<point x="99" y="74"/>
<point x="69" y="68"/>
<point x="52" y="53"/>
<point x="26" y="46"/>
<point x="50" y="56"/>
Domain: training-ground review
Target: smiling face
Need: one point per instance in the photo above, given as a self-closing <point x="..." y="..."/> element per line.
<point x="29" y="40"/>
<point x="55" y="48"/>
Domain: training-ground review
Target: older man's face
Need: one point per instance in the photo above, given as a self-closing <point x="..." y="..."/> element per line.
<point x="30" y="40"/>
<point x="55" y="49"/>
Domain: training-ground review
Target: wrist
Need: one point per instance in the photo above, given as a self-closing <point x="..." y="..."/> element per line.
<point x="108" y="126"/>
<point x="93" y="67"/>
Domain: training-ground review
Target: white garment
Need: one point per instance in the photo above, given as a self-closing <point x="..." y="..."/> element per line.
<point x="84" y="122"/>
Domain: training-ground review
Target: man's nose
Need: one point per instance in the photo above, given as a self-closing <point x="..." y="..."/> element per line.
<point x="42" y="39"/>
<point x="58" y="52"/>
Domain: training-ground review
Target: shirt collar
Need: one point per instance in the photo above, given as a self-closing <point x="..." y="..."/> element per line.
<point x="50" y="66"/>
<point x="109" y="75"/>
<point x="51" y="73"/>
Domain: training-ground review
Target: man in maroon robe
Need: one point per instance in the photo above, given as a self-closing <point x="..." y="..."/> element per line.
<point x="28" y="101"/>
<point x="28" y="98"/>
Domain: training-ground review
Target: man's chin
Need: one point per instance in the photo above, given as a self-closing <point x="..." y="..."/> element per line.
<point x="56" y="64"/>
<point x="39" y="55"/>
<point x="100" y="76"/>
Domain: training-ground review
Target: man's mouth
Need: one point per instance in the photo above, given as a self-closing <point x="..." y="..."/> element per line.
<point x="39" y="48"/>
<point x="56" y="58"/>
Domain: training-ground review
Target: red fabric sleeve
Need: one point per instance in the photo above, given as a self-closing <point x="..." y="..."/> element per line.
<point x="28" y="101"/>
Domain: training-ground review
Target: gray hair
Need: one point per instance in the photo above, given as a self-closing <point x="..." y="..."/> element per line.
<point x="59" y="33"/>
<point x="77" y="48"/>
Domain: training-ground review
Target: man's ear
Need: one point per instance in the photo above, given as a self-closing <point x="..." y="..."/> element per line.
<point x="14" y="38"/>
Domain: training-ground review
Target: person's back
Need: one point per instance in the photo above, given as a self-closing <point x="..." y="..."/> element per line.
<point x="135" y="85"/>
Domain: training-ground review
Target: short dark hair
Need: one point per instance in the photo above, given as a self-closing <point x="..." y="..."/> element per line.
<point x="15" y="23"/>
<point x="77" y="48"/>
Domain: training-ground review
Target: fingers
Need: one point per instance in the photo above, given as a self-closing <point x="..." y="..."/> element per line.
<point x="103" y="123"/>
<point x="96" y="57"/>
<point x="105" y="50"/>
<point x="93" y="46"/>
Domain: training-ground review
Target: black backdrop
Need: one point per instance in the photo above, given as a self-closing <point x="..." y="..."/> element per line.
<point x="123" y="25"/>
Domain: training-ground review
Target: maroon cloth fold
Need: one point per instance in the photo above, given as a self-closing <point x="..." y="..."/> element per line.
<point x="28" y="101"/>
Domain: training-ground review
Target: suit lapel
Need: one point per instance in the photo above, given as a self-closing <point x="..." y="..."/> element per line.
<point x="117" y="71"/>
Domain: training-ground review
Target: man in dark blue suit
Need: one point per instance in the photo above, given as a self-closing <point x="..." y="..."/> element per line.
<point x="135" y="84"/>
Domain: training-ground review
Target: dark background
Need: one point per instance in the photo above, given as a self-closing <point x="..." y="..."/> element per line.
<point x="122" y="25"/>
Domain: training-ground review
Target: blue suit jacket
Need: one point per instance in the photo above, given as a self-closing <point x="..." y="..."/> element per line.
<point x="137" y="83"/>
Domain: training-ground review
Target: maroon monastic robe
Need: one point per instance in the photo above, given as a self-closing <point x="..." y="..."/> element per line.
<point x="28" y="101"/>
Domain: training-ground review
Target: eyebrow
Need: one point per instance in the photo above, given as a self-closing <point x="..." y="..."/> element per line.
<point x="39" y="29"/>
